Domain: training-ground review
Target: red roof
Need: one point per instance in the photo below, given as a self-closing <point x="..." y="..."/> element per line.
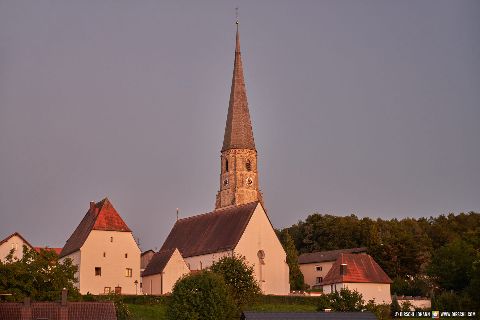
<point x="360" y="268"/>
<point x="56" y="250"/>
<point x="212" y="232"/>
<point x="101" y="216"/>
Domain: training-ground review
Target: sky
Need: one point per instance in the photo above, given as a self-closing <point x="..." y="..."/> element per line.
<point x="358" y="107"/>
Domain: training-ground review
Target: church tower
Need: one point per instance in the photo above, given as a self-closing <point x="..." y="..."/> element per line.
<point x="238" y="173"/>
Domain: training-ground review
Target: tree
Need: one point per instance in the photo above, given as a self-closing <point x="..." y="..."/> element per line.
<point x="238" y="276"/>
<point x="343" y="300"/>
<point x="452" y="265"/>
<point x="200" y="296"/>
<point x="38" y="275"/>
<point x="295" y="275"/>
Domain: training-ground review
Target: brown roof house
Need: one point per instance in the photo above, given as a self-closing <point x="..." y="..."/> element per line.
<point x="239" y="223"/>
<point x="359" y="272"/>
<point x="164" y="269"/>
<point x="14" y="242"/>
<point x="105" y="251"/>
<point x="315" y="266"/>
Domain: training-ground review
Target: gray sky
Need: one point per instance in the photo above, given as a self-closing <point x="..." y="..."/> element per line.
<point x="366" y="107"/>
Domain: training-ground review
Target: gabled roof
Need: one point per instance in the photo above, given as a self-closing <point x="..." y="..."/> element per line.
<point x="101" y="216"/>
<point x="18" y="235"/>
<point x="158" y="262"/>
<point x="238" y="129"/>
<point x="360" y="268"/>
<point x="211" y="232"/>
<point x="324" y="256"/>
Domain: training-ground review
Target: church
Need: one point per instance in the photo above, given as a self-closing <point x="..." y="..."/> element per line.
<point x="239" y="225"/>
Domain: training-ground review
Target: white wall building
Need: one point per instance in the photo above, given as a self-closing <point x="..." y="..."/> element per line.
<point x="103" y="248"/>
<point x="13" y="242"/>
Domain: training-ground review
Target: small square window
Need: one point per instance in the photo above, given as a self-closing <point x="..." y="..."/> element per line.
<point x="98" y="271"/>
<point x="128" y="272"/>
<point x="107" y="290"/>
<point x="318" y="268"/>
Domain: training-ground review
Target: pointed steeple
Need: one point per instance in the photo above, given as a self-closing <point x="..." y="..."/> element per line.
<point x="238" y="129"/>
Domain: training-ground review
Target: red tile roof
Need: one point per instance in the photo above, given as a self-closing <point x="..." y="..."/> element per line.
<point x="18" y="235"/>
<point x="212" y="232"/>
<point x="360" y="268"/>
<point x="101" y="216"/>
<point x="56" y="250"/>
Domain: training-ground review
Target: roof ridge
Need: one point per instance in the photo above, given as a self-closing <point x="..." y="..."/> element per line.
<point x="217" y="211"/>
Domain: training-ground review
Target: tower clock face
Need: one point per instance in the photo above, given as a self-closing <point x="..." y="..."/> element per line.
<point x="249" y="181"/>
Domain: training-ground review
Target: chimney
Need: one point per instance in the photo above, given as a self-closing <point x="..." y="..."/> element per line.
<point x="64" y="297"/>
<point x="343" y="269"/>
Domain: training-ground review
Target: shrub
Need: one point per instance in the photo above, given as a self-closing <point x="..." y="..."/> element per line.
<point x="200" y="296"/>
<point x="238" y="277"/>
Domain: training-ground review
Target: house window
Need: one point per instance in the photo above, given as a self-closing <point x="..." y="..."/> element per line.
<point x="319" y="280"/>
<point x="331" y="288"/>
<point x="111" y="239"/>
<point x="14" y="246"/>
<point x="104" y="254"/>
<point x="126" y="255"/>
<point x="98" y="271"/>
<point x="318" y="268"/>
<point x="107" y="290"/>
<point x="128" y="272"/>
<point x="118" y="290"/>
<point x="261" y="256"/>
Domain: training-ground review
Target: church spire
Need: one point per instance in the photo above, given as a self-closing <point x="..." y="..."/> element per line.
<point x="238" y="170"/>
<point x="238" y="129"/>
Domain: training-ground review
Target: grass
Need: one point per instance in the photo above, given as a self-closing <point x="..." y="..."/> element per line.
<point x="148" y="311"/>
<point x="282" y="307"/>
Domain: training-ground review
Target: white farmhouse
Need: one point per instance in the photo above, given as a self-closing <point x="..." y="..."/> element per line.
<point x="361" y="273"/>
<point x="14" y="242"/>
<point x="105" y="251"/>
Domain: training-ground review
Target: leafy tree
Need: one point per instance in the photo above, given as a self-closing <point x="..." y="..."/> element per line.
<point x="39" y="275"/>
<point x="452" y="265"/>
<point x="295" y="275"/>
<point x="238" y="276"/>
<point x="343" y="300"/>
<point x="200" y="296"/>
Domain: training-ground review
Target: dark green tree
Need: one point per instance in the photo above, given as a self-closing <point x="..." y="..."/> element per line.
<point x="239" y="278"/>
<point x="295" y="275"/>
<point x="38" y="275"/>
<point x="201" y="296"/>
<point x="452" y="265"/>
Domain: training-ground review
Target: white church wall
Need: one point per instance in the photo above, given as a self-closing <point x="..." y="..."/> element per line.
<point x="259" y="235"/>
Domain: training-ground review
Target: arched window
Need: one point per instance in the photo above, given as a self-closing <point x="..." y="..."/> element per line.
<point x="226" y="165"/>
<point x="261" y="256"/>
<point x="248" y="165"/>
